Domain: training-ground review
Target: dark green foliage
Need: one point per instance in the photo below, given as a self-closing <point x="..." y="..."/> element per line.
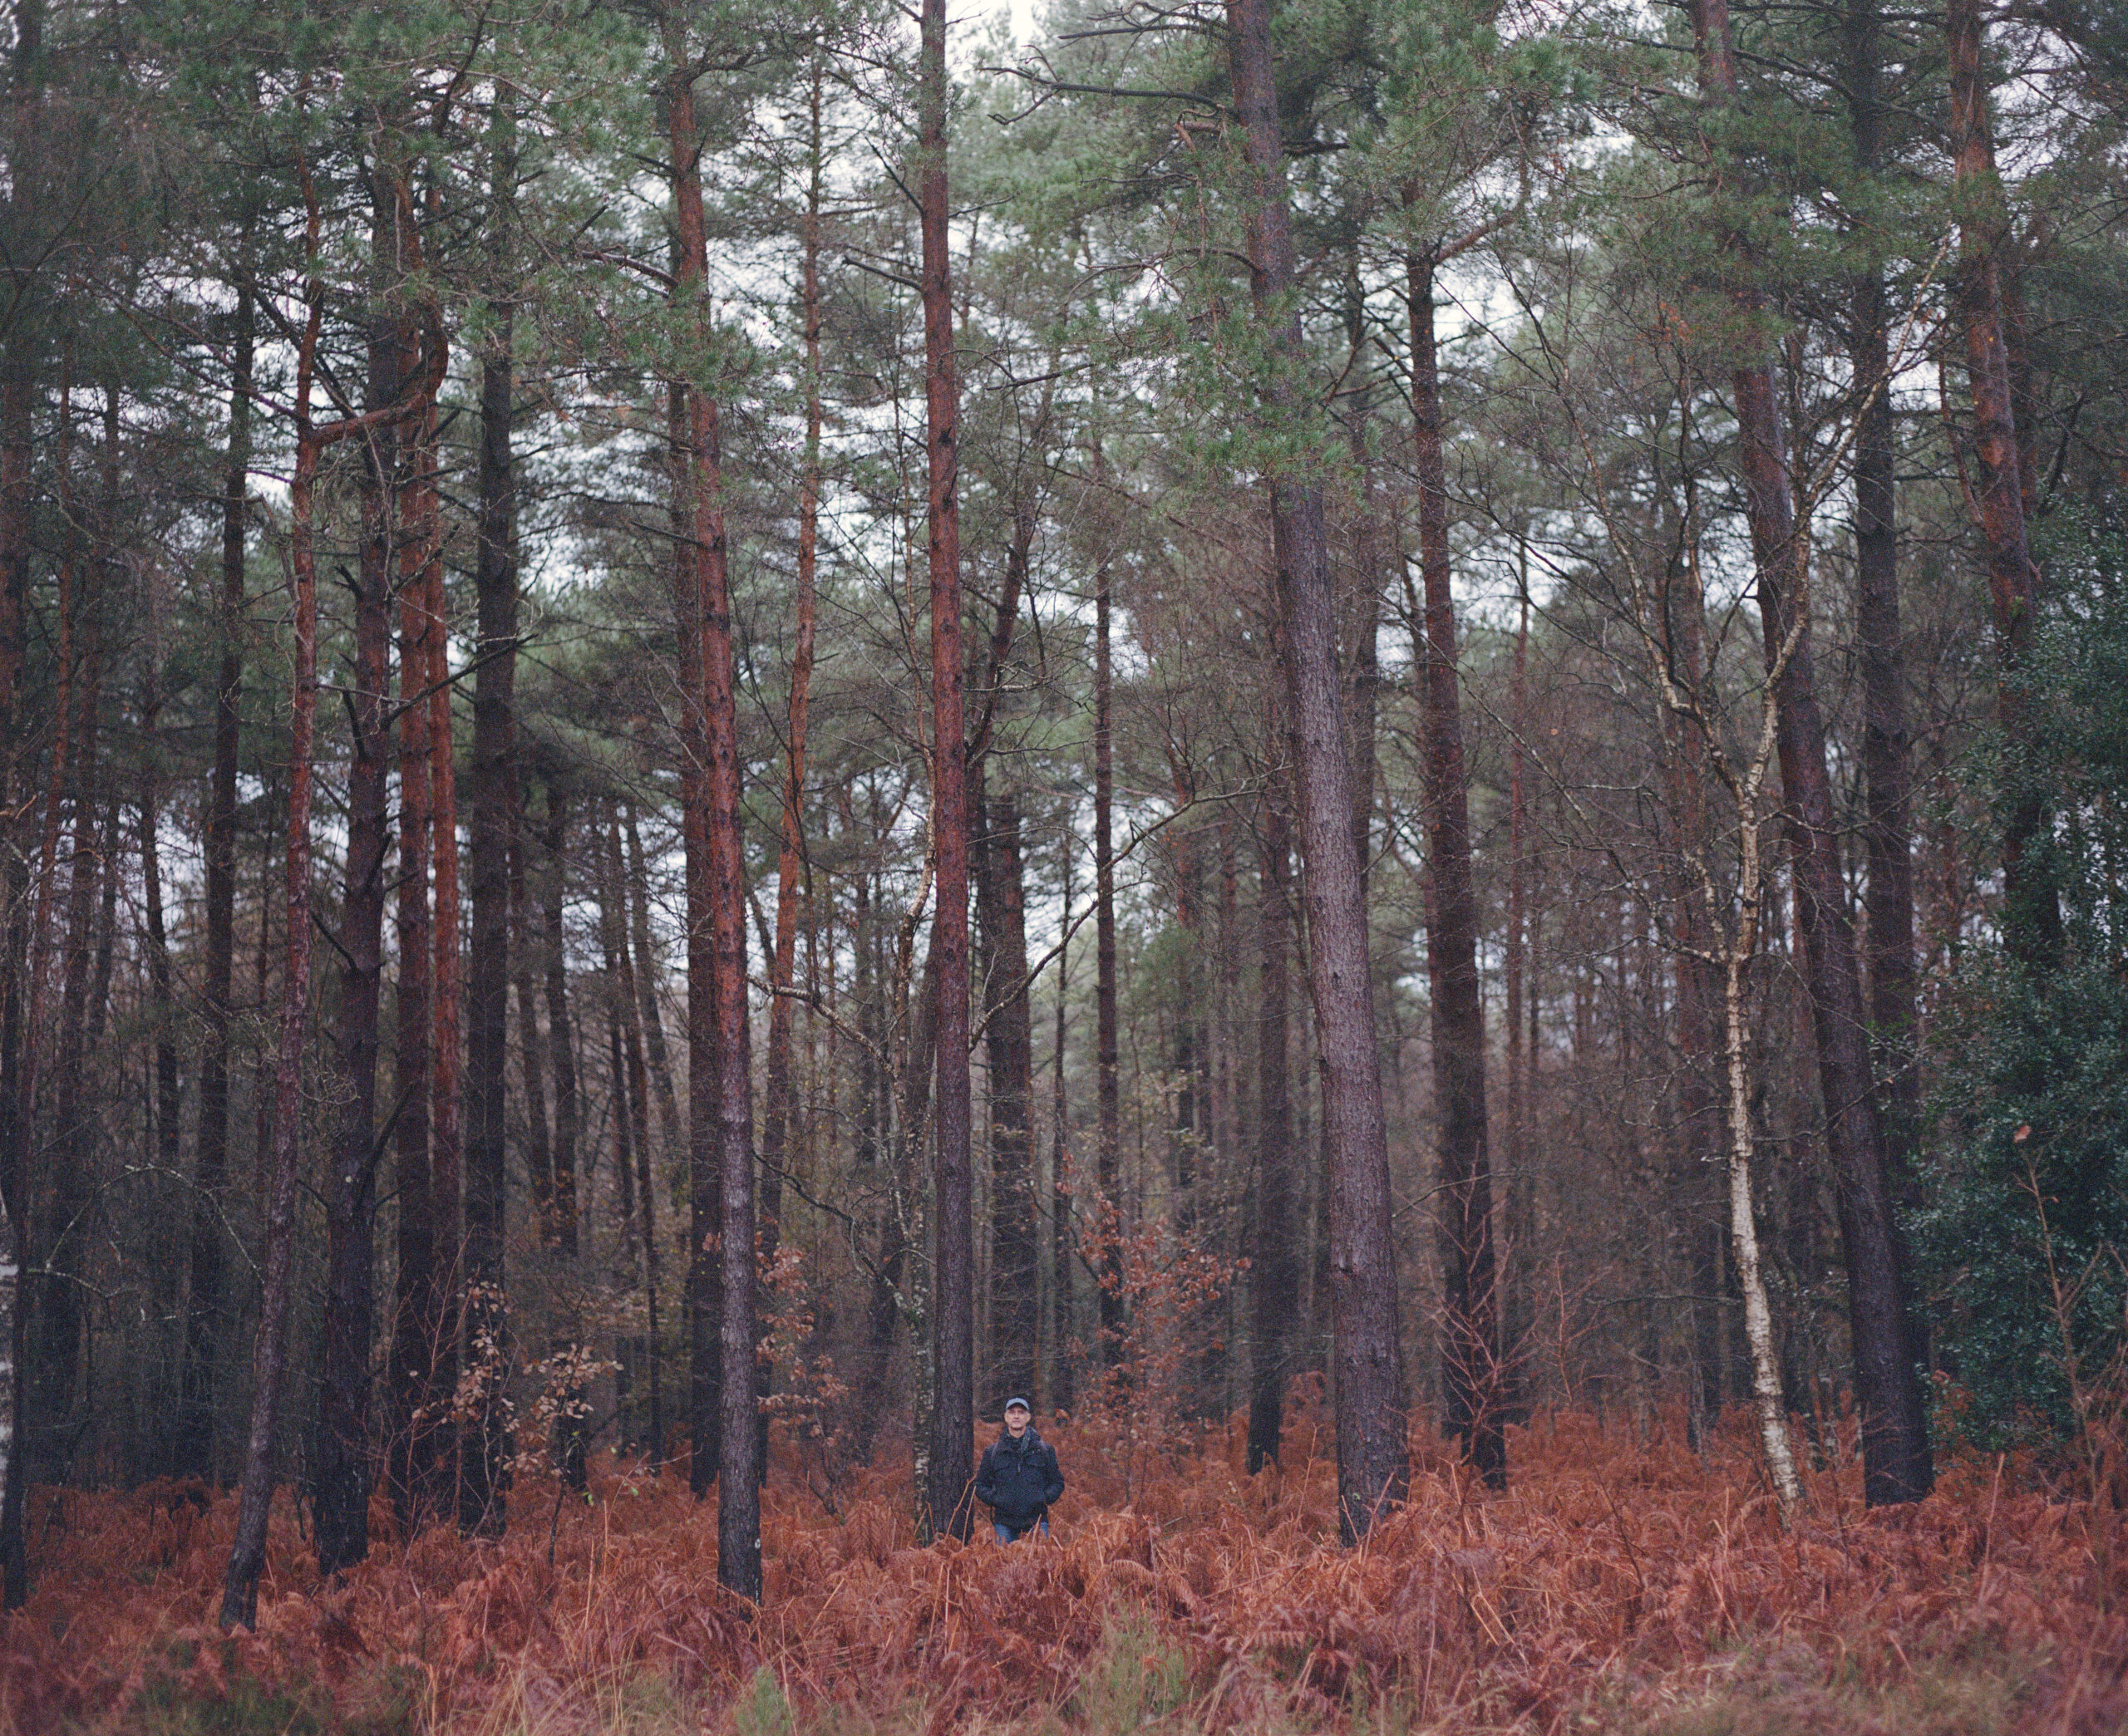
<point x="2033" y="1187"/>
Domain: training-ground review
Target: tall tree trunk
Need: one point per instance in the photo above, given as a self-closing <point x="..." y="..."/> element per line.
<point x="1515" y="1308"/>
<point x="162" y="996"/>
<point x="55" y="1372"/>
<point x="704" y="1295"/>
<point x="1008" y="1037"/>
<point x="248" y="1553"/>
<point x="776" y="1114"/>
<point x="1894" y="1426"/>
<point x="269" y="1355"/>
<point x="416" y="1430"/>
<point x="2032" y="911"/>
<point x="1373" y="1466"/>
<point x="1107" y="1052"/>
<point x="398" y="519"/>
<point x="738" y="1507"/>
<point x="1470" y="1354"/>
<point x="1057" y="1392"/>
<point x="1273" y="1262"/>
<point x="206" y="1294"/>
<point x="952" y="1304"/>
<point x="494" y="780"/>
<point x="1887" y="827"/>
<point x="1680" y="626"/>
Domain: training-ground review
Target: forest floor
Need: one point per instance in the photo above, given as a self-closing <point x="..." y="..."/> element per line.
<point x="1620" y="1585"/>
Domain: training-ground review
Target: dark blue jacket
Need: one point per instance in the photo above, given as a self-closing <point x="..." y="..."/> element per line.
<point x="1019" y="1479"/>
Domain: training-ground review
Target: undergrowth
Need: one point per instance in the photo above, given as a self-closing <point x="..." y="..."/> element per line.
<point x="1619" y="1585"/>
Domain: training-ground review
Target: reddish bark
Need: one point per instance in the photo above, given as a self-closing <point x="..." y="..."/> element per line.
<point x="2032" y="915"/>
<point x="405" y="368"/>
<point x="269" y="1355"/>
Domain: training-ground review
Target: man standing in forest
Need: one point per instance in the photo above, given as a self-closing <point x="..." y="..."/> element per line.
<point x="1019" y="1477"/>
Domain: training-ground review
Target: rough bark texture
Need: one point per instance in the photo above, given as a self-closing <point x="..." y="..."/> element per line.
<point x="1473" y="1402"/>
<point x="1894" y="1426"/>
<point x="1373" y="1466"/>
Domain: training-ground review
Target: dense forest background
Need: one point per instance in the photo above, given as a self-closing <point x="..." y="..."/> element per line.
<point x="632" y="630"/>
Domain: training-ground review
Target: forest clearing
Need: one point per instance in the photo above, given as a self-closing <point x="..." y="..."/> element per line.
<point x="1619" y="1586"/>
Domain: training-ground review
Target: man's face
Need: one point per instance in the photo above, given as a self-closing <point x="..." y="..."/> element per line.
<point x="1016" y="1421"/>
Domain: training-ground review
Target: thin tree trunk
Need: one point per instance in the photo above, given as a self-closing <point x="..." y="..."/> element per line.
<point x="416" y="1430"/>
<point x="776" y="1112"/>
<point x="646" y="982"/>
<point x="1057" y="1393"/>
<point x="248" y="1553"/>
<point x="494" y="780"/>
<point x="561" y="1037"/>
<point x="55" y="1373"/>
<point x="1373" y="1466"/>
<point x="538" y="1130"/>
<point x="1470" y="1354"/>
<point x="614" y="934"/>
<point x="270" y="1358"/>
<point x="206" y="1294"/>
<point x="1273" y="1264"/>
<point x="952" y="1302"/>
<point x="1516" y="1256"/>
<point x="1894" y="1425"/>
<point x="1107" y="1060"/>
<point x="1015" y="1290"/>
<point x="2032" y="914"/>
